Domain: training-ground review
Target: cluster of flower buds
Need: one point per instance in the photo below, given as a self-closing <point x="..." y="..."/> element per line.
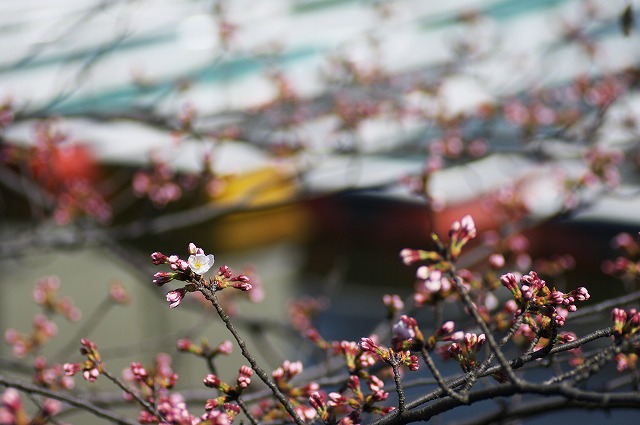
<point x="465" y="351"/>
<point x="626" y="266"/>
<point x="220" y="417"/>
<point x="191" y="271"/>
<point x="445" y="333"/>
<point x="356" y="359"/>
<point x="51" y="376"/>
<point x="92" y="367"/>
<point x="12" y="410"/>
<point x="45" y="293"/>
<point x="172" y="409"/>
<point x="393" y="303"/>
<point x="157" y="184"/>
<point x="388" y="355"/>
<point x="625" y="323"/>
<point x="283" y="374"/>
<point x="534" y="295"/>
<point x="407" y="335"/>
<point x="162" y="377"/>
<point x="204" y="350"/>
<point x="460" y="233"/>
<point x="81" y="199"/>
<point x="603" y="164"/>
<point x="360" y="401"/>
<point x="230" y="392"/>
<point x="270" y="410"/>
<point x="23" y="344"/>
<point x="432" y="285"/>
<point x="432" y="282"/>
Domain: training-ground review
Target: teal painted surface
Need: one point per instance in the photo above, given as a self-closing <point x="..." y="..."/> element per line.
<point x="227" y="71"/>
<point x="500" y="10"/>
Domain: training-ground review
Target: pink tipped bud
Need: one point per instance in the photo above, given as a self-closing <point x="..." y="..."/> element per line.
<point x="509" y="281"/>
<point x="161" y="278"/>
<point x="71" y="369"/>
<point x="184" y="344"/>
<point x="367" y="344"/>
<point x="582" y="294"/>
<point x="422" y="272"/>
<point x="446" y="328"/>
<point x="243" y="286"/>
<point x="211" y="381"/>
<point x="51" y="407"/>
<point x="393" y="302"/>
<point x="317" y="401"/>
<point x="174" y="298"/>
<point x="159" y="258"/>
<point x="246" y="371"/>
<point x="409" y="256"/>
<point x="225" y="347"/>
<point x="496" y="261"/>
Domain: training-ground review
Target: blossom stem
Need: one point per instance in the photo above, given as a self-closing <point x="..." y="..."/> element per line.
<point x="210" y="295"/>
<point x="441" y="382"/>
<point x="483" y="325"/>
<point x="512" y="331"/>
<point x="87" y="327"/>
<point x="145" y="404"/>
<point x="246" y="411"/>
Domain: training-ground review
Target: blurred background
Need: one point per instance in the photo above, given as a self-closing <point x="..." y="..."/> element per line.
<point x="306" y="142"/>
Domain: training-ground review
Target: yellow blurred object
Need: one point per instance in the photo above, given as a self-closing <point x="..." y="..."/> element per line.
<point x="269" y="190"/>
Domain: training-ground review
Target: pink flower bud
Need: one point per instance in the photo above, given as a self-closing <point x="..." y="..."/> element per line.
<point x="184" y="344"/>
<point x="211" y="381"/>
<point x="51" y="407"/>
<point x="243" y="286"/>
<point x="71" y="369"/>
<point x="159" y="258"/>
<point x="11" y="399"/>
<point x="175" y="297"/>
<point x="367" y="344"/>
<point x="161" y="278"/>
<point x="509" y="281"/>
<point x="336" y="399"/>
<point x="496" y="261"/>
<point x="422" y="272"/>
<point x="404" y="329"/>
<point x="393" y="302"/>
<point x="231" y="408"/>
<point x="409" y="256"/>
<point x="446" y="328"/>
<point x="91" y="375"/>
<point x="582" y="294"/>
<point x="225" y="347"/>
<point x="317" y="401"/>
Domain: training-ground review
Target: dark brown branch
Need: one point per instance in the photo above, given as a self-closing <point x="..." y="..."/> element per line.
<point x="81" y="403"/>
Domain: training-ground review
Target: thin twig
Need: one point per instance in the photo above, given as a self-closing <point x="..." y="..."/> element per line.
<point x="145" y="404"/>
<point x="81" y="403"/>
<point x="211" y="296"/>
<point x="441" y="382"/>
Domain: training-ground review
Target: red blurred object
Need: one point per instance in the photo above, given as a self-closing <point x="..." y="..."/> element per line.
<point x="56" y="166"/>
